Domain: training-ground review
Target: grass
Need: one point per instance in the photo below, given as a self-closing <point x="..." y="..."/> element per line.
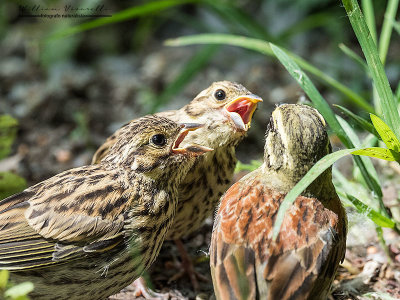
<point x="385" y="120"/>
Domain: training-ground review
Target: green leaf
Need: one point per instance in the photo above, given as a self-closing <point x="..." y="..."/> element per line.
<point x="387" y="102"/>
<point x="10" y="184"/>
<point x="4" y="275"/>
<point x="387" y="135"/>
<point x="263" y="47"/>
<point x="381" y="153"/>
<point x="375" y="216"/>
<point x="366" y="161"/>
<point x="360" y="121"/>
<point x="127" y="14"/>
<point x="323" y="164"/>
<point x="19" y="290"/>
<point x="8" y="131"/>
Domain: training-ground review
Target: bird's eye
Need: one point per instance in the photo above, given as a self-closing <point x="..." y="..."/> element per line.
<point x="219" y="95"/>
<point x="159" y="139"/>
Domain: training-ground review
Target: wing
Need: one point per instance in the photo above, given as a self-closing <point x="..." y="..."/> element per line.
<point x="247" y="264"/>
<point x="106" y="146"/>
<point x="69" y="215"/>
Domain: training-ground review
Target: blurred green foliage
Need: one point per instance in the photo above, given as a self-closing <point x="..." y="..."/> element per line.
<point x="10" y="183"/>
<point x="13" y="292"/>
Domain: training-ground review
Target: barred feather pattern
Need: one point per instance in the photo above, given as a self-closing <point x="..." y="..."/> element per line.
<point x="212" y="173"/>
<point x="88" y="232"/>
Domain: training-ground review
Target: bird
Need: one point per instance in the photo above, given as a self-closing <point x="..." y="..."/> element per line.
<point x="88" y="232"/>
<point x="245" y="261"/>
<point x="226" y="110"/>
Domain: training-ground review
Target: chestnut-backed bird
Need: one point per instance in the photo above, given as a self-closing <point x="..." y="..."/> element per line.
<point x="246" y="263"/>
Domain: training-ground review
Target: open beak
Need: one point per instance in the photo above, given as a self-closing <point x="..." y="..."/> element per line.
<point x="241" y="110"/>
<point x="194" y="149"/>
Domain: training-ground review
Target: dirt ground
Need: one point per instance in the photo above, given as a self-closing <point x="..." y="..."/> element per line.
<point x="67" y="110"/>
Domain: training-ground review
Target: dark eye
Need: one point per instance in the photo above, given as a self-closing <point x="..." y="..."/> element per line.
<point x="159" y="140"/>
<point x="219" y="95"/>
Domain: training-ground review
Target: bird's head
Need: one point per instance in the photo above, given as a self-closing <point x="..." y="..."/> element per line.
<point x="296" y="139"/>
<point x="152" y="145"/>
<point x="226" y="109"/>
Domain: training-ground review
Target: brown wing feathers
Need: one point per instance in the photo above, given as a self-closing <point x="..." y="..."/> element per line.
<point x="32" y="230"/>
<point x="289" y="267"/>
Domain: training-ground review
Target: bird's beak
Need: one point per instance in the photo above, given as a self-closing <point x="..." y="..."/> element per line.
<point x="241" y="110"/>
<point x="194" y="150"/>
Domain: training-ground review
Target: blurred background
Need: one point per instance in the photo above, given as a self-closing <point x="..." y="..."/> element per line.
<point x="71" y="81"/>
<point x="69" y="92"/>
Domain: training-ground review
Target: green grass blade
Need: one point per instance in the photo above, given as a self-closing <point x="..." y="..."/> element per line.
<point x="354" y="56"/>
<point x="127" y="14"/>
<point x="357" y="119"/>
<point x="389" y="108"/>
<point x="264" y="48"/>
<point x="191" y="68"/>
<point x="325" y="110"/>
<point x="311" y="175"/>
<point x="387" y="29"/>
<point x="368" y="9"/>
<point x="375" y="216"/>
<point x="308" y="87"/>
<point x="398" y="93"/>
<point x="387" y="135"/>
<point x="356" y="142"/>
<point x="378" y="152"/>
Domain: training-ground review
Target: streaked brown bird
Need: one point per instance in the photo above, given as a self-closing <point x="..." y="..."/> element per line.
<point x="226" y="109"/>
<point x="88" y="232"/>
<point x="301" y="264"/>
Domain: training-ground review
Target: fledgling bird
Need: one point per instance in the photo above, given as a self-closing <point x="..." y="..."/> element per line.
<point x="301" y="264"/>
<point x="226" y="109"/>
<point x="88" y="232"/>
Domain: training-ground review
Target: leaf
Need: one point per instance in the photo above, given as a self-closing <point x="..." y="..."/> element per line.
<point x="10" y="184"/>
<point x="381" y="153"/>
<point x="387" y="28"/>
<point x="19" y="290"/>
<point x="360" y="121"/>
<point x="4" y="275"/>
<point x="375" y="216"/>
<point x="8" y="131"/>
<point x="263" y="47"/>
<point x="387" y="135"/>
<point x="387" y="102"/>
<point x="323" y="164"/>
